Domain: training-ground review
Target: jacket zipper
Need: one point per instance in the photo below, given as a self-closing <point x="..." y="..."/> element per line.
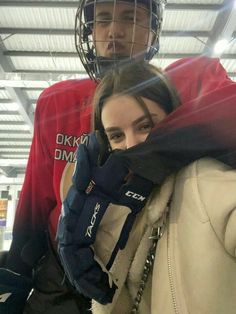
<point x="170" y="271"/>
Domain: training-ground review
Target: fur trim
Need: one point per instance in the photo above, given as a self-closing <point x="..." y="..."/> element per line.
<point x="159" y="200"/>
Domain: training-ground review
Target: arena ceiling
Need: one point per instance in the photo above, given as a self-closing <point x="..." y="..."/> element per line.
<point x="37" y="49"/>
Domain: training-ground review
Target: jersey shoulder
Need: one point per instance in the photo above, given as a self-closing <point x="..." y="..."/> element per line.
<point x="68" y="86"/>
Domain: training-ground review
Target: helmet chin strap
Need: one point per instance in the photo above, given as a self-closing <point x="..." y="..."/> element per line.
<point x="153" y="50"/>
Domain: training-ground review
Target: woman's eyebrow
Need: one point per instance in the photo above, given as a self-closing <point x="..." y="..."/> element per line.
<point x="112" y="129"/>
<point x="144" y="117"/>
<point x="138" y="120"/>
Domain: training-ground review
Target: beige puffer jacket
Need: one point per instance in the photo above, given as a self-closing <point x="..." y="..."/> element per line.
<point x="195" y="265"/>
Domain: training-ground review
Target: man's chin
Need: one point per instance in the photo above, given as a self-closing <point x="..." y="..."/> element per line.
<point x="121" y="56"/>
<point x="115" y="56"/>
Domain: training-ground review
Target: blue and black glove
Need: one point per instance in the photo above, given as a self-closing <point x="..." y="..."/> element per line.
<point x="14" y="290"/>
<point x="94" y="187"/>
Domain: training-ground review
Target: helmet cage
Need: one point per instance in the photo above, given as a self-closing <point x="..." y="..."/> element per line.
<point x="95" y="65"/>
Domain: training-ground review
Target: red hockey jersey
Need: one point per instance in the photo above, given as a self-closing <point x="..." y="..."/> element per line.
<point x="62" y="115"/>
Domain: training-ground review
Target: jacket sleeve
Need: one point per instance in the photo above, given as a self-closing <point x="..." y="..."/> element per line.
<point x="37" y="197"/>
<point x="216" y="187"/>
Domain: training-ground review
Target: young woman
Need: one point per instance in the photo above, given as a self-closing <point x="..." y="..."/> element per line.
<point x="188" y="222"/>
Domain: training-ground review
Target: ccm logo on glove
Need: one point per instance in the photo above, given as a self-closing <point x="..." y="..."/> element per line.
<point x="135" y="196"/>
<point x="93" y="220"/>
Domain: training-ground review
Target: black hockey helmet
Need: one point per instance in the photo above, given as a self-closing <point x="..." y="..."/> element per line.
<point x="96" y="65"/>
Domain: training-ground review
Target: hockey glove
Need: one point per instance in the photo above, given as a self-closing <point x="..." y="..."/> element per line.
<point x="94" y="188"/>
<point x="14" y="290"/>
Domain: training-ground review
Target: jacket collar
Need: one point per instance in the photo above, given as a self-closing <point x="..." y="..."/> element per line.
<point x="158" y="201"/>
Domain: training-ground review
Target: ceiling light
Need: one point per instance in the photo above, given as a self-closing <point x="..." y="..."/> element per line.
<point x="26" y="127"/>
<point x="220" y="46"/>
<point x="13" y="106"/>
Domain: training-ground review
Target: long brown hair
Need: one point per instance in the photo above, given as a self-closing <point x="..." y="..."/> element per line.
<point x="136" y="80"/>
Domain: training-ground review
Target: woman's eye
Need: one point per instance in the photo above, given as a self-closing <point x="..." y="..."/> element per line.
<point x="116" y="137"/>
<point x="145" y="127"/>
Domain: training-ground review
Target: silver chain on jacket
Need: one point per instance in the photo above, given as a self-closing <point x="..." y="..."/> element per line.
<point x="156" y="234"/>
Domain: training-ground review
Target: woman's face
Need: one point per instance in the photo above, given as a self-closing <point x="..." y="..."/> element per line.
<point x="125" y="122"/>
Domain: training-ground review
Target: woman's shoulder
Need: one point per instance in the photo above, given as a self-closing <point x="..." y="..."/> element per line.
<point x="210" y="185"/>
<point x="207" y="168"/>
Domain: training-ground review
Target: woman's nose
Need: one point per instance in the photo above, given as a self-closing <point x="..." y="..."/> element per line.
<point x="134" y="139"/>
